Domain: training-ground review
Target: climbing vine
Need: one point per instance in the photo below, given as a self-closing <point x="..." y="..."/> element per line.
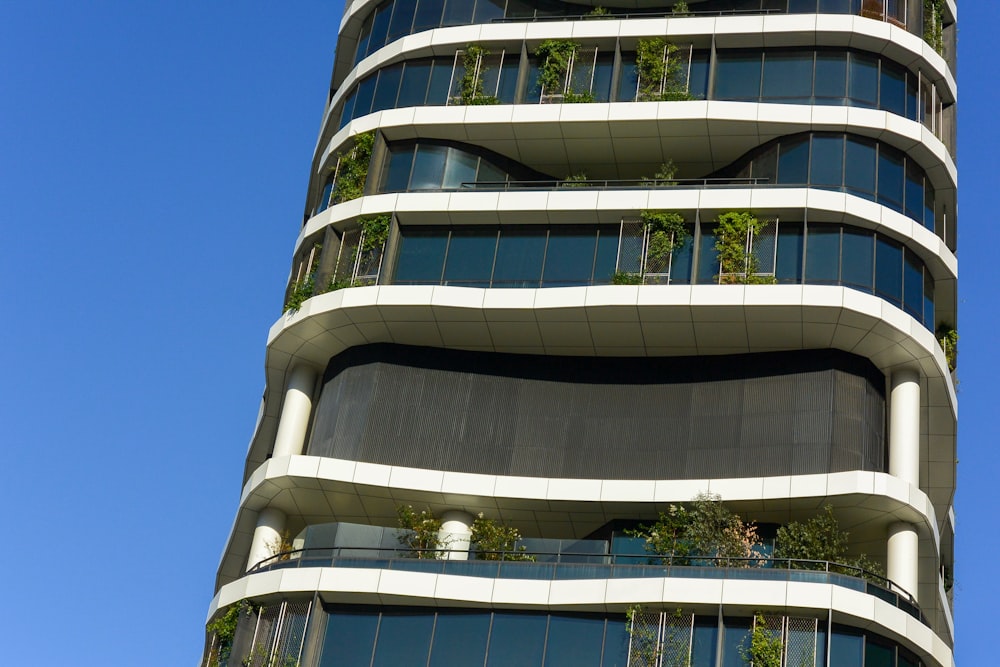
<point x="948" y="338"/>
<point x="471" y="84"/>
<point x="376" y="231"/>
<point x="555" y="56"/>
<point x="224" y="629"/>
<point x="934" y="24"/>
<point x="352" y="171"/>
<point x="661" y="73"/>
<point x="765" y="648"/>
<point x="667" y="232"/>
<point x="733" y="243"/>
<point x="301" y="291"/>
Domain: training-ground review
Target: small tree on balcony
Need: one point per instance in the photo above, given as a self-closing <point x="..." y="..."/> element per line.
<point x="820" y="539"/>
<point x="420" y="531"/>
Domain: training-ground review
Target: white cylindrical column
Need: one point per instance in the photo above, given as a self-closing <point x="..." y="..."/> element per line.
<point x="904" y="426"/>
<point x="456" y="529"/>
<point x="270" y="524"/>
<point x="903" y="556"/>
<point x="294" y="421"/>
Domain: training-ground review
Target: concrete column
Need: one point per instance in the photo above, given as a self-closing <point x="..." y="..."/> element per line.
<point x="904" y="426"/>
<point x="295" y="411"/>
<point x="456" y="529"/>
<point x="903" y="556"/>
<point x="270" y="524"/>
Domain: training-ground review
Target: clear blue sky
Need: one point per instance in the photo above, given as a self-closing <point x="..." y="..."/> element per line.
<point x="153" y="165"/>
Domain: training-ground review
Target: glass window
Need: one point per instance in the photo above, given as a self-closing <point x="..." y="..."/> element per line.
<point x="765" y="165"/>
<point x="928" y="206"/>
<point x="846" y="649"/>
<point x="347" y="113"/>
<point x="877" y="655"/>
<point x="470" y="257"/>
<point x="413" y="90"/>
<point x="788" y="269"/>
<point x="324" y="196"/>
<point x="912" y="101"/>
<point x="387" y="88"/>
<point x="607" y="254"/>
<point x="914" y="191"/>
<point x="863" y="86"/>
<point x="366" y="33"/>
<point x="858" y="259"/>
<point x="487" y="10"/>
<point x="788" y="76"/>
<point x="507" y="88"/>
<point x="801" y="6"/>
<point x="490" y="173"/>
<point x="427" y="15"/>
<point x="860" y="175"/>
<point x="520" y="254"/>
<point x="735" y="635"/>
<point x="628" y="79"/>
<point x="889" y="270"/>
<point x="366" y="90"/>
<point x="350" y="637"/>
<point x="890" y="178"/>
<point x="460" y="638"/>
<point x="517" y="640"/>
<point x="396" y="174"/>
<point x="831" y="76"/>
<point x="404" y="637"/>
<point x="457" y="12"/>
<point x="603" y="69"/>
<point x="793" y="161"/>
<point x="698" y="75"/>
<point x="680" y="262"/>
<point x="823" y="253"/>
<point x="569" y="258"/>
<point x="913" y="285"/>
<point x="461" y="168"/>
<point x="421" y="255"/>
<point x="737" y="75"/>
<point x="708" y="257"/>
<point x="838" y="6"/>
<point x="402" y="18"/>
<point x="705" y="643"/>
<point x="892" y="94"/>
<point x="380" y="27"/>
<point x="437" y="91"/>
<point x="574" y="641"/>
<point x="428" y="167"/>
<point x="827" y="160"/>
<point x="616" y="640"/>
<point x="928" y="299"/>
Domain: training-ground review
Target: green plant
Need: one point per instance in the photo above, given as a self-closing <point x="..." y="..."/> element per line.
<point x="704" y="528"/>
<point x="281" y="546"/>
<point x="496" y="541"/>
<point x="667" y="232"/>
<point x="626" y="278"/>
<point x="224" y="629"/>
<point x="820" y="539"/>
<point x="934" y="24"/>
<point x="420" y="531"/>
<point x="470" y="86"/>
<point x="577" y="180"/>
<point x="661" y="73"/>
<point x="352" y="170"/>
<point x="376" y="231"/>
<point x="301" y="291"/>
<point x="948" y="339"/>
<point x="734" y="234"/>
<point x="555" y="57"/>
<point x="644" y="642"/>
<point x="680" y="8"/>
<point x="765" y="648"/>
<point x="598" y="11"/>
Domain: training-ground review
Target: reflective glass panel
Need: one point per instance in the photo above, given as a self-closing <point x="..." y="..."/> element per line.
<point x="708" y="257"/>
<point x="822" y="253"/>
<point x="421" y="255"/>
<point x="366" y="32"/>
<point x="928" y="299"/>
<point x="519" y="257"/>
<point x="628" y="79"/>
<point x="680" y="262"/>
<point x="765" y="166"/>
<point x="461" y="168"/>
<point x="603" y="69"/>
<point x="913" y="285"/>
<point x="890" y="178"/>
<point x="793" y="161"/>
<point x="437" y="91"/>
<point x="458" y="12"/>
<point x="387" y="88"/>
<point x="487" y="10"/>
<point x="735" y="635"/>
<point x="831" y="76"/>
<point x="616" y="639"/>
<point x="788" y="76"/>
<point x="428" y="14"/>
<point x="346" y="114"/>
<point x="428" y="167"/>
<point x="507" y="89"/>
<point x="837" y="6"/>
<point x="517" y="640"/>
<point x="574" y="641"/>
<point x="846" y="649"/>
<point x="350" y="637"/>
<point x="892" y="94"/>
<point x="914" y="191"/>
<point x="788" y="269"/>
<point x="737" y="75"/>
<point x="827" y="160"/>
<point x="569" y="259"/>
<point x="366" y="89"/>
<point x="396" y="174"/>
<point x="402" y="18"/>
<point x="801" y="6"/>
<point x="863" y="84"/>
<point x="404" y="637"/>
<point x="705" y="643"/>
<point x="858" y="258"/>
<point x="877" y="655"/>
<point x="470" y="257"/>
<point x="380" y="27"/>
<point x="860" y="175"/>
<point x="413" y="90"/>
<point x="928" y="206"/>
<point x="889" y="270"/>
<point x="607" y="255"/>
<point x="698" y="75"/>
<point x="460" y="639"/>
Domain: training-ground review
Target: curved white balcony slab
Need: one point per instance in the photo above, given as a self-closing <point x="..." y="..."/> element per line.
<point x="640" y="136"/>
<point x="585" y="206"/>
<point x="735" y="596"/>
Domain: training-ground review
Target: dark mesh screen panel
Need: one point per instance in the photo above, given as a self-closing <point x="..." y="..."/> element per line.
<point x="754" y="415"/>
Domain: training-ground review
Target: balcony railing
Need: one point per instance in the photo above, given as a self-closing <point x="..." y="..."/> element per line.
<point x="563" y="566"/>
<point x="609" y="184"/>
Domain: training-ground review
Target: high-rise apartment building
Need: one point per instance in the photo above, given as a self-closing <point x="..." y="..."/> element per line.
<point x="567" y="267"/>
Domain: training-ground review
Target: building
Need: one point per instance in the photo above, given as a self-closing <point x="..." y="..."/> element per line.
<point x="566" y="267"/>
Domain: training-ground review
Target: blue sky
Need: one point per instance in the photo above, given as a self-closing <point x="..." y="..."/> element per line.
<point x="153" y="166"/>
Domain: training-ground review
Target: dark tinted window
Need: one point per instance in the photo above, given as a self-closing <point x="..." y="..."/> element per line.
<point x="858" y="258"/>
<point x="428" y="167"/>
<point x="860" y="175"/>
<point x="421" y="255"/>
<point x="459" y="639"/>
<point x="350" y="638"/>
<point x="827" y="160"/>
<point x="831" y="75"/>
<point x="889" y="270"/>
<point x="387" y="88"/>
<point x="793" y="161"/>
<point x="517" y="640"/>
<point x="416" y="76"/>
<point x="890" y="178"/>
<point x="788" y="76"/>
<point x="569" y="259"/>
<point x="403" y="637"/>
<point x="428" y="14"/>
<point x="519" y="257"/>
<point x="574" y="641"/>
<point x="737" y="75"/>
<point x="823" y="254"/>
<point x="863" y="84"/>
<point x="470" y="257"/>
<point x="402" y="18"/>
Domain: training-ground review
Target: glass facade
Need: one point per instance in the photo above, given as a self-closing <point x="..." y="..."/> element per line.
<point x="411" y="166"/>
<point x="393" y="19"/>
<point x="566" y="255"/>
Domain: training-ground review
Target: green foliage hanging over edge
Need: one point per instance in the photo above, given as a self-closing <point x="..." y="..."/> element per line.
<point x="667" y="232"/>
<point x="934" y="24"/>
<point x="654" y="71"/>
<point x="738" y="266"/>
<point x="471" y="84"/>
<point x="554" y="56"/>
<point x="947" y="337"/>
<point x="376" y="231"/>
<point x="353" y="170"/>
<point x="224" y="629"/>
<point x="301" y="291"/>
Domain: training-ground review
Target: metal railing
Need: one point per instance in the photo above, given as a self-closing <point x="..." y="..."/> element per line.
<point x="636" y="15"/>
<point x="537" y="565"/>
<point x="608" y="184"/>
